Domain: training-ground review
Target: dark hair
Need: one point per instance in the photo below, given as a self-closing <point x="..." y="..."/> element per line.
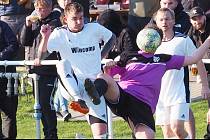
<point x="111" y="20"/>
<point x="154" y="26"/>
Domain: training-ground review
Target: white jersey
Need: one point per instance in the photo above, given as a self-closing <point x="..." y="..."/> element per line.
<point x="81" y="49"/>
<point x="172" y="86"/>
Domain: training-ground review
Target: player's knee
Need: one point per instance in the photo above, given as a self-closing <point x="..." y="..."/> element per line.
<point x="143" y="131"/>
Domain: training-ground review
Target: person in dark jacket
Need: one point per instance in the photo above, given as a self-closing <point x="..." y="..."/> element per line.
<point x="31" y="36"/>
<point x="8" y="102"/>
<point x="189" y="4"/>
<point x="14" y="12"/>
<point x="199" y="31"/>
<point x="125" y="39"/>
<point x="204" y="4"/>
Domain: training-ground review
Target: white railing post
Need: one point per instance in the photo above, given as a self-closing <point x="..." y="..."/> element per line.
<point x="37" y="107"/>
<point x="110" y="131"/>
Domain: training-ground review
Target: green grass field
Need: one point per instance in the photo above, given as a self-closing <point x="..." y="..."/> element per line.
<point x="26" y="123"/>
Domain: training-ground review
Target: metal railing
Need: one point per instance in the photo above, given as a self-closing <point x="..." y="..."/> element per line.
<point x="35" y="77"/>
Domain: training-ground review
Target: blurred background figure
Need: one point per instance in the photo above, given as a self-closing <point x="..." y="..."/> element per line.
<point x="189" y="4"/>
<point x="8" y="101"/>
<point x="111" y="20"/>
<point x="199" y="32"/>
<point x="30" y="36"/>
<point x="14" y="12"/>
<point x="61" y="106"/>
<point x="140" y="13"/>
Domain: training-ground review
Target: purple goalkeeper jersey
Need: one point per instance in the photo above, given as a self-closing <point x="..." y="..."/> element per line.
<point x="143" y="80"/>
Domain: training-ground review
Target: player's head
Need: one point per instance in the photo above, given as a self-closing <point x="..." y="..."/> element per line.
<point x="43" y="8"/>
<point x="165" y="19"/>
<point x="197" y="18"/>
<point x="149" y="39"/>
<point x="74" y="16"/>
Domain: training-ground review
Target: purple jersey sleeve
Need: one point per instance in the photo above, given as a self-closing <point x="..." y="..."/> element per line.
<point x="116" y="70"/>
<point x="176" y="62"/>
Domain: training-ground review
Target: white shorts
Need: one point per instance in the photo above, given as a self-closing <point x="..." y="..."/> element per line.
<point x="166" y="115"/>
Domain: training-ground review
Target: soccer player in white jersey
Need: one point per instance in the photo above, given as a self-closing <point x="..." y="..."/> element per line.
<point x="79" y="44"/>
<point x="173" y="105"/>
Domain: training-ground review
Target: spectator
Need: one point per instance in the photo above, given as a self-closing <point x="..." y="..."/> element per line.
<point x="182" y="22"/>
<point x="189" y="4"/>
<point x="8" y="103"/>
<point x="140" y="13"/>
<point x="111" y="20"/>
<point x="136" y="94"/>
<point x="204" y="4"/>
<point x="31" y="36"/>
<point x="85" y="56"/>
<point x="174" y="99"/>
<point x="199" y="32"/>
<point x="200" y="29"/>
<point x="14" y="12"/>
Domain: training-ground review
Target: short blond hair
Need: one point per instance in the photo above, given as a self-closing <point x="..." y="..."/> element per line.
<point x="43" y="3"/>
<point x="164" y="10"/>
<point x="73" y="7"/>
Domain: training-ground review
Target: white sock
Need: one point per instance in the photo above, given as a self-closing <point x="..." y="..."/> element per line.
<point x="64" y="70"/>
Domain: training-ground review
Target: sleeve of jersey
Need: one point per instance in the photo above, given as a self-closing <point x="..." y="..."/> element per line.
<point x="176" y="62"/>
<point x="190" y="47"/>
<point x="54" y="41"/>
<point x="104" y="33"/>
<point x="116" y="70"/>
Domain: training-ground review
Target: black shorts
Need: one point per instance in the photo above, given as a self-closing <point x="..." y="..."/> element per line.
<point x="132" y="110"/>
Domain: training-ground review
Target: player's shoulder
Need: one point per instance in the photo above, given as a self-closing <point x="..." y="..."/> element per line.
<point x="93" y="25"/>
<point x="64" y="27"/>
<point x="180" y="35"/>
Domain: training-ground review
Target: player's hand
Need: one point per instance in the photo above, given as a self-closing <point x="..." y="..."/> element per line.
<point x="45" y="30"/>
<point x="28" y="21"/>
<point x="109" y="64"/>
<point x="205" y="92"/>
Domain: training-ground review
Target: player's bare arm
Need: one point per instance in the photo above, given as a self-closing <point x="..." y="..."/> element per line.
<point x="108" y="46"/>
<point x="198" y="54"/>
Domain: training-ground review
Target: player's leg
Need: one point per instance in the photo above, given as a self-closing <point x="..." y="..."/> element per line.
<point x="69" y="82"/>
<point x="144" y="132"/>
<point x="167" y="132"/>
<point x="180" y="116"/>
<point x="190" y="125"/>
<point x="98" y="127"/>
<point x="97" y="117"/>
<point x="163" y="119"/>
<point x="105" y="86"/>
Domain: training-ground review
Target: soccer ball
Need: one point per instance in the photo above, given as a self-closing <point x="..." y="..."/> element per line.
<point x="148" y="40"/>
